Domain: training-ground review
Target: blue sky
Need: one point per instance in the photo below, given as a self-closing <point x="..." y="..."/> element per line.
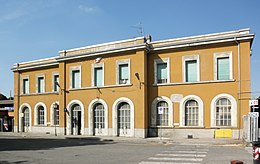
<point x="36" y="29"/>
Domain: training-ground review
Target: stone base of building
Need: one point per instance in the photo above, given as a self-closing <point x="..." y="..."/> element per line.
<point x="141" y="133"/>
<point x="189" y="133"/>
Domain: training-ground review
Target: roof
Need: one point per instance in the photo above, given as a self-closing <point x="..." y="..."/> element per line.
<point x="135" y="44"/>
<point x="6" y="102"/>
<point x="230" y="36"/>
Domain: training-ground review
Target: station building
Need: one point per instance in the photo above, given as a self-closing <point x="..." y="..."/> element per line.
<point x="138" y="88"/>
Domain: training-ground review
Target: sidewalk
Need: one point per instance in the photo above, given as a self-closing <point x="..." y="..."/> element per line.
<point x="201" y="141"/>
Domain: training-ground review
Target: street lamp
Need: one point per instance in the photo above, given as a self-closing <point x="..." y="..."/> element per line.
<point x="56" y="108"/>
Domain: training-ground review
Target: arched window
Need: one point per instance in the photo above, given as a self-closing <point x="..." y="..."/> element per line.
<point x="162" y="118"/>
<point x="26" y="117"/>
<point x="191" y="113"/>
<point x="40" y="115"/>
<point x="223" y="112"/>
<point x="99" y="116"/>
<point x="56" y="114"/>
<point x="124" y="116"/>
<point x="161" y="112"/>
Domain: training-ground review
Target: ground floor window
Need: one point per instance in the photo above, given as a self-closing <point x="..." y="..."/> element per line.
<point x="162" y="114"/>
<point x="191" y="113"/>
<point x="223" y="112"/>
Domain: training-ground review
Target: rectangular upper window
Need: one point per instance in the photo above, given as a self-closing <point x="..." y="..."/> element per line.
<point x="223" y="66"/>
<point x="123" y="74"/>
<point x="40" y="84"/>
<point x="161" y="71"/>
<point x="98" y="74"/>
<point x="56" y="81"/>
<point x="98" y="81"/>
<point x="191" y="68"/>
<point x="123" y="71"/>
<point x="25" y="85"/>
<point x="75" y="77"/>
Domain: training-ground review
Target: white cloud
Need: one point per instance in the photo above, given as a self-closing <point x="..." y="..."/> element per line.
<point x="12" y="16"/>
<point x="87" y="9"/>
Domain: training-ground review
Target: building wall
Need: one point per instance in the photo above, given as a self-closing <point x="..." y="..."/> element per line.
<point x="206" y="88"/>
<point x="141" y="93"/>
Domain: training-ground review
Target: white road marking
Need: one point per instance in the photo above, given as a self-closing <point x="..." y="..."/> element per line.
<point x="176" y="159"/>
<point x="182" y="155"/>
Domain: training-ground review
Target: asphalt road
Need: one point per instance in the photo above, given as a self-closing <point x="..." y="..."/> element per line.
<point x="18" y="150"/>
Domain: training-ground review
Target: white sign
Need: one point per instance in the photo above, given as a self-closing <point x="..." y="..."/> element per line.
<point x="160" y="110"/>
<point x="253" y="102"/>
<point x="176" y="97"/>
<point x="254" y="114"/>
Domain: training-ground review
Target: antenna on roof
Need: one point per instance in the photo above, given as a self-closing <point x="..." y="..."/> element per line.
<point x="139" y="28"/>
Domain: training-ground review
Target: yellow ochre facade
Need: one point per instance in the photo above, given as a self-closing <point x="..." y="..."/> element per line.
<point x="193" y="86"/>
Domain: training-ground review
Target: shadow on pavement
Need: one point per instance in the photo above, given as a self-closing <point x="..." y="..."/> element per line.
<point x="13" y="144"/>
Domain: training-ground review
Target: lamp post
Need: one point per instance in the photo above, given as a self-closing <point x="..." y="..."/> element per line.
<point x="55" y="107"/>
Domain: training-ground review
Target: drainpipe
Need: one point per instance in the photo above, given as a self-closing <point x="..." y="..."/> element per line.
<point x="64" y="97"/>
<point x="239" y="83"/>
<point x="18" y="98"/>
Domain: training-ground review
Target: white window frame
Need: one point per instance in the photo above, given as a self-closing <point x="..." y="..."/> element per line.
<point x="22" y="85"/>
<point x="53" y="81"/>
<point x="160" y="61"/>
<point x="97" y="65"/>
<point x="37" y="83"/>
<point x="233" y="110"/>
<point x="52" y="112"/>
<point x="75" y="68"/>
<point x="201" y="110"/>
<point x="115" y="115"/>
<point x="122" y="62"/>
<point x="223" y="55"/>
<point x="190" y="58"/>
<point x="21" y="116"/>
<point x="154" y="111"/>
<point x="91" y="115"/>
<point x="36" y="113"/>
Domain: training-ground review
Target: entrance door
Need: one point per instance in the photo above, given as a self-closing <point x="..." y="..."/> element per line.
<point x="124" y="119"/>
<point x="76" y="120"/>
<point x="99" y="119"/>
<point x="25" y="120"/>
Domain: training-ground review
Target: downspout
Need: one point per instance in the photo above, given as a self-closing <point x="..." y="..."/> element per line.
<point x="18" y="98"/>
<point x="239" y="84"/>
<point x="64" y="97"/>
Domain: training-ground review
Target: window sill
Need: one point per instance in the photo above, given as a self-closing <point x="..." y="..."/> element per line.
<point x="164" y="127"/>
<point x="55" y="126"/>
<point x="192" y="83"/>
<point x="40" y="125"/>
<point x="223" y="127"/>
<point x="191" y="127"/>
<point x="45" y="93"/>
<point x="100" y="87"/>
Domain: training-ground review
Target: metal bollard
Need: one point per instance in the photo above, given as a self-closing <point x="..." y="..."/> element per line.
<point x="256" y="148"/>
